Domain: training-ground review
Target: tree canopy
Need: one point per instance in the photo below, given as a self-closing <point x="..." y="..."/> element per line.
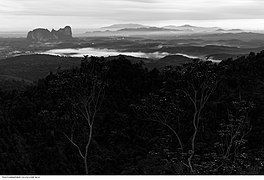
<point x="120" y="118"/>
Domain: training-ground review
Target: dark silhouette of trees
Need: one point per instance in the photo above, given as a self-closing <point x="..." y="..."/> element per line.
<point x="117" y="117"/>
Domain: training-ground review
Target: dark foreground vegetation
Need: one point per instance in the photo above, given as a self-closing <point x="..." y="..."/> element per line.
<point x="115" y="117"/>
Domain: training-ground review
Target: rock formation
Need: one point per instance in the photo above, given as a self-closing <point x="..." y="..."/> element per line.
<point x="41" y="34"/>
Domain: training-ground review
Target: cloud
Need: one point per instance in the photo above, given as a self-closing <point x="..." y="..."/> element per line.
<point x="143" y="1"/>
<point x="130" y="10"/>
<point x="184" y="9"/>
<point x="7" y="6"/>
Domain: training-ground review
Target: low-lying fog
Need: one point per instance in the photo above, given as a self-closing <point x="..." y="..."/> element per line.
<point x="109" y="52"/>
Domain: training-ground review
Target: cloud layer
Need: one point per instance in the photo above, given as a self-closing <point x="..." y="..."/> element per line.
<point x="107" y="11"/>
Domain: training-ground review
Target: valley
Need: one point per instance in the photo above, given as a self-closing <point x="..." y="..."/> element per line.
<point x="218" y="46"/>
<point x="30" y="59"/>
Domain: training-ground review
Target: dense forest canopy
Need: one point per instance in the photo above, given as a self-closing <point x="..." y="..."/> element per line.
<point x="118" y="117"/>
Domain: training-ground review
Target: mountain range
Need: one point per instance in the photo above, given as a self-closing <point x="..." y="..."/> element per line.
<point x="115" y="27"/>
<point x="186" y="27"/>
<point x="144" y="30"/>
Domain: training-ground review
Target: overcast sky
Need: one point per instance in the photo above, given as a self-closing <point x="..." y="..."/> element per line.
<point x="28" y="14"/>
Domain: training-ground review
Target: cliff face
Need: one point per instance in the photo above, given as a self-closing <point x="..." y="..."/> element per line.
<point x="41" y="34"/>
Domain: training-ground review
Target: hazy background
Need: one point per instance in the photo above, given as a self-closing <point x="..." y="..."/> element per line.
<point x="23" y="15"/>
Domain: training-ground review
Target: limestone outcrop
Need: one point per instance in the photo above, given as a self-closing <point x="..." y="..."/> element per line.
<point x="42" y="34"/>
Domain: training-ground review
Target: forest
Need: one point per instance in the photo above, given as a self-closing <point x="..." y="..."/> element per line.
<point x="115" y="117"/>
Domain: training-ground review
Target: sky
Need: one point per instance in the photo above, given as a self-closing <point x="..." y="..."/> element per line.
<point x="29" y="14"/>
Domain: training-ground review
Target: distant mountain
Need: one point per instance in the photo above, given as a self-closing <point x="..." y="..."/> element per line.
<point x="224" y="56"/>
<point x="170" y="30"/>
<point x="146" y="29"/>
<point x="191" y="28"/>
<point x="116" y="27"/>
<point x="229" y="30"/>
<point x="42" y="34"/>
<point x="141" y="31"/>
<point x="220" y="29"/>
<point x="187" y="26"/>
<point x="235" y="30"/>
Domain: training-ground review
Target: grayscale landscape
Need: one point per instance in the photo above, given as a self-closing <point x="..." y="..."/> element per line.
<point x="129" y="87"/>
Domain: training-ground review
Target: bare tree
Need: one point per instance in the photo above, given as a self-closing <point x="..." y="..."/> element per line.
<point x="88" y="105"/>
<point x="200" y="85"/>
<point x="198" y="97"/>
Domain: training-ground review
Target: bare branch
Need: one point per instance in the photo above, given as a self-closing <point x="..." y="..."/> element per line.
<point x="168" y="126"/>
<point x="73" y="143"/>
<point x="189" y="96"/>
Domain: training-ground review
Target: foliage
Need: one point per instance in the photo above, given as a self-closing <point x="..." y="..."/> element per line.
<point x="116" y="117"/>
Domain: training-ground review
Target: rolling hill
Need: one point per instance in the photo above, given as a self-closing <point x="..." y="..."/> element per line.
<point x="30" y="68"/>
<point x="33" y="67"/>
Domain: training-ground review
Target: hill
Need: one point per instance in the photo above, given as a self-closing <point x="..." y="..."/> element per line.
<point x="170" y="60"/>
<point x="34" y="67"/>
<point x="30" y="68"/>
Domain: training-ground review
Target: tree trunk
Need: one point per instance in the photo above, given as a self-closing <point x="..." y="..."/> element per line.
<point x="86" y="166"/>
<point x="196" y="119"/>
<point x="87" y="149"/>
